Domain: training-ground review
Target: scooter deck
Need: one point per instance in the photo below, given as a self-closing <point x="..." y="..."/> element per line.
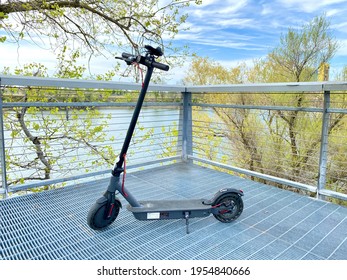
<point x="170" y="209"/>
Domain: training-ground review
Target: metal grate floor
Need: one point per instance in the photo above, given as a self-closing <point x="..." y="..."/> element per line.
<point x="275" y="224"/>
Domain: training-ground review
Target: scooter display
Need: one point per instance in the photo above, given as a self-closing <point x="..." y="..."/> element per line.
<point x="226" y="205"/>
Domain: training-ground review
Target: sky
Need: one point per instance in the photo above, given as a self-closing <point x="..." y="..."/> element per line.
<point x="227" y="31"/>
<point x="231" y="31"/>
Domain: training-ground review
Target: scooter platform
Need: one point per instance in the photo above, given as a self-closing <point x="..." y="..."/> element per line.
<point x="170" y="209"/>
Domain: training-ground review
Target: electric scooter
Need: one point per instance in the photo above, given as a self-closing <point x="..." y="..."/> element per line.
<point x="226" y="205"/>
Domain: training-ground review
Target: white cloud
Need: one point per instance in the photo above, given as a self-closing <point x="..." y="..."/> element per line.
<point x="217" y="14"/>
<point x="177" y="74"/>
<point x="333" y="12"/>
<point x="342" y="26"/>
<point x="342" y="51"/>
<point x="309" y="6"/>
<point x="12" y="56"/>
<point x="266" y="9"/>
<point x="237" y="62"/>
<point x="233" y="22"/>
<point x="217" y="8"/>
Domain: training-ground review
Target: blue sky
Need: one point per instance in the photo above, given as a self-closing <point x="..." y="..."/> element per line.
<point x="231" y="31"/>
<point x="228" y="31"/>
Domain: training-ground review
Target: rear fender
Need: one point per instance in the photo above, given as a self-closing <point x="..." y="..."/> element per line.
<point x="222" y="192"/>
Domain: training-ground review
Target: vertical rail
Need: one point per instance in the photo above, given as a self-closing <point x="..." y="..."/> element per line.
<point x="187" y="126"/>
<point x="323" y="157"/>
<point x="2" y="146"/>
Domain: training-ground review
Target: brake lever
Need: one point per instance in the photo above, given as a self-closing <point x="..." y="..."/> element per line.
<point x="128" y="60"/>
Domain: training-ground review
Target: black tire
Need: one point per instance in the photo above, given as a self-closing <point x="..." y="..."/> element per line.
<point x="96" y="216"/>
<point x="226" y="216"/>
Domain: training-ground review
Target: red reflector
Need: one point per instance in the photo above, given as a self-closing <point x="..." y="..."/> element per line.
<point x="110" y="212"/>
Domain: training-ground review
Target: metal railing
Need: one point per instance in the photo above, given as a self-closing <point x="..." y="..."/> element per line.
<point x="56" y="130"/>
<point x="293" y="135"/>
<point x="290" y="134"/>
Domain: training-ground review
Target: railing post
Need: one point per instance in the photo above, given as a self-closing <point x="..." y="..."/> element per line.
<point x="2" y="146"/>
<point x="186" y="124"/>
<point x="323" y="157"/>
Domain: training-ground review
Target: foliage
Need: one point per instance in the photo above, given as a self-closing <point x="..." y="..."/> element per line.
<point x="49" y="137"/>
<point x="50" y="142"/>
<point x="301" y="52"/>
<point x="342" y="76"/>
<point x="205" y="71"/>
<point x="282" y="142"/>
<point x="93" y="25"/>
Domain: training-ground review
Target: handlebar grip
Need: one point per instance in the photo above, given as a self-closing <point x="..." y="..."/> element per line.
<point x="129" y="58"/>
<point x="160" y="66"/>
<point x="126" y="55"/>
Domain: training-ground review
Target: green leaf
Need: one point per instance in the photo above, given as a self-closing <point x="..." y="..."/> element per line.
<point x="36" y="126"/>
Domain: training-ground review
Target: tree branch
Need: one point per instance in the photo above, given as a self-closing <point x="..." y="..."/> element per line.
<point x="36" y="141"/>
<point x="111" y="18"/>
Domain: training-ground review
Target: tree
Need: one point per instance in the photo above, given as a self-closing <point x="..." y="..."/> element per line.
<point x="342" y="76"/>
<point x="51" y="142"/>
<point x="282" y="143"/>
<point x="94" y="25"/>
<point x="301" y="52"/>
<point x="205" y="71"/>
<point x="235" y="125"/>
<point x="88" y="27"/>
<point x="297" y="58"/>
<point x="44" y="140"/>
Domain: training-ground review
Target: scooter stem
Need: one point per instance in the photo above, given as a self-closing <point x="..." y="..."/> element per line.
<point x="118" y="169"/>
<point x="115" y="183"/>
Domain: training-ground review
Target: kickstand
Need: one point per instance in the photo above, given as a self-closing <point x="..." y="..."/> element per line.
<point x="186" y="216"/>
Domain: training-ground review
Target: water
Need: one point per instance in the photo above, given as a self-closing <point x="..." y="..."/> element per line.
<point x="76" y="142"/>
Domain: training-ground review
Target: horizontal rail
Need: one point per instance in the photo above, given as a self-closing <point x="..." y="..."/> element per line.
<point x="6" y="80"/>
<point x="256" y="174"/>
<point x="75" y="83"/>
<point x="335" y="86"/>
<point x="261" y="88"/>
<point x="257" y="107"/>
<point x="87" y="104"/>
<point x="333" y="194"/>
<point x="273" y="87"/>
<point x="337" y="111"/>
<point x="28" y="186"/>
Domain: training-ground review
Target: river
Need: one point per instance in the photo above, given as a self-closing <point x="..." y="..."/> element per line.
<point x="70" y="140"/>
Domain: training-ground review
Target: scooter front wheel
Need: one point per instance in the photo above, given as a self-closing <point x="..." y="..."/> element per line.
<point x="99" y="217"/>
<point x="234" y="204"/>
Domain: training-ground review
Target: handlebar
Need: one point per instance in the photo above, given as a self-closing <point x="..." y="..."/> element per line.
<point x="127" y="55"/>
<point x="160" y="66"/>
<point x="144" y="60"/>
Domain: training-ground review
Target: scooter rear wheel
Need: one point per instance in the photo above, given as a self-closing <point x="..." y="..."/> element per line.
<point x="97" y="219"/>
<point x="235" y="202"/>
